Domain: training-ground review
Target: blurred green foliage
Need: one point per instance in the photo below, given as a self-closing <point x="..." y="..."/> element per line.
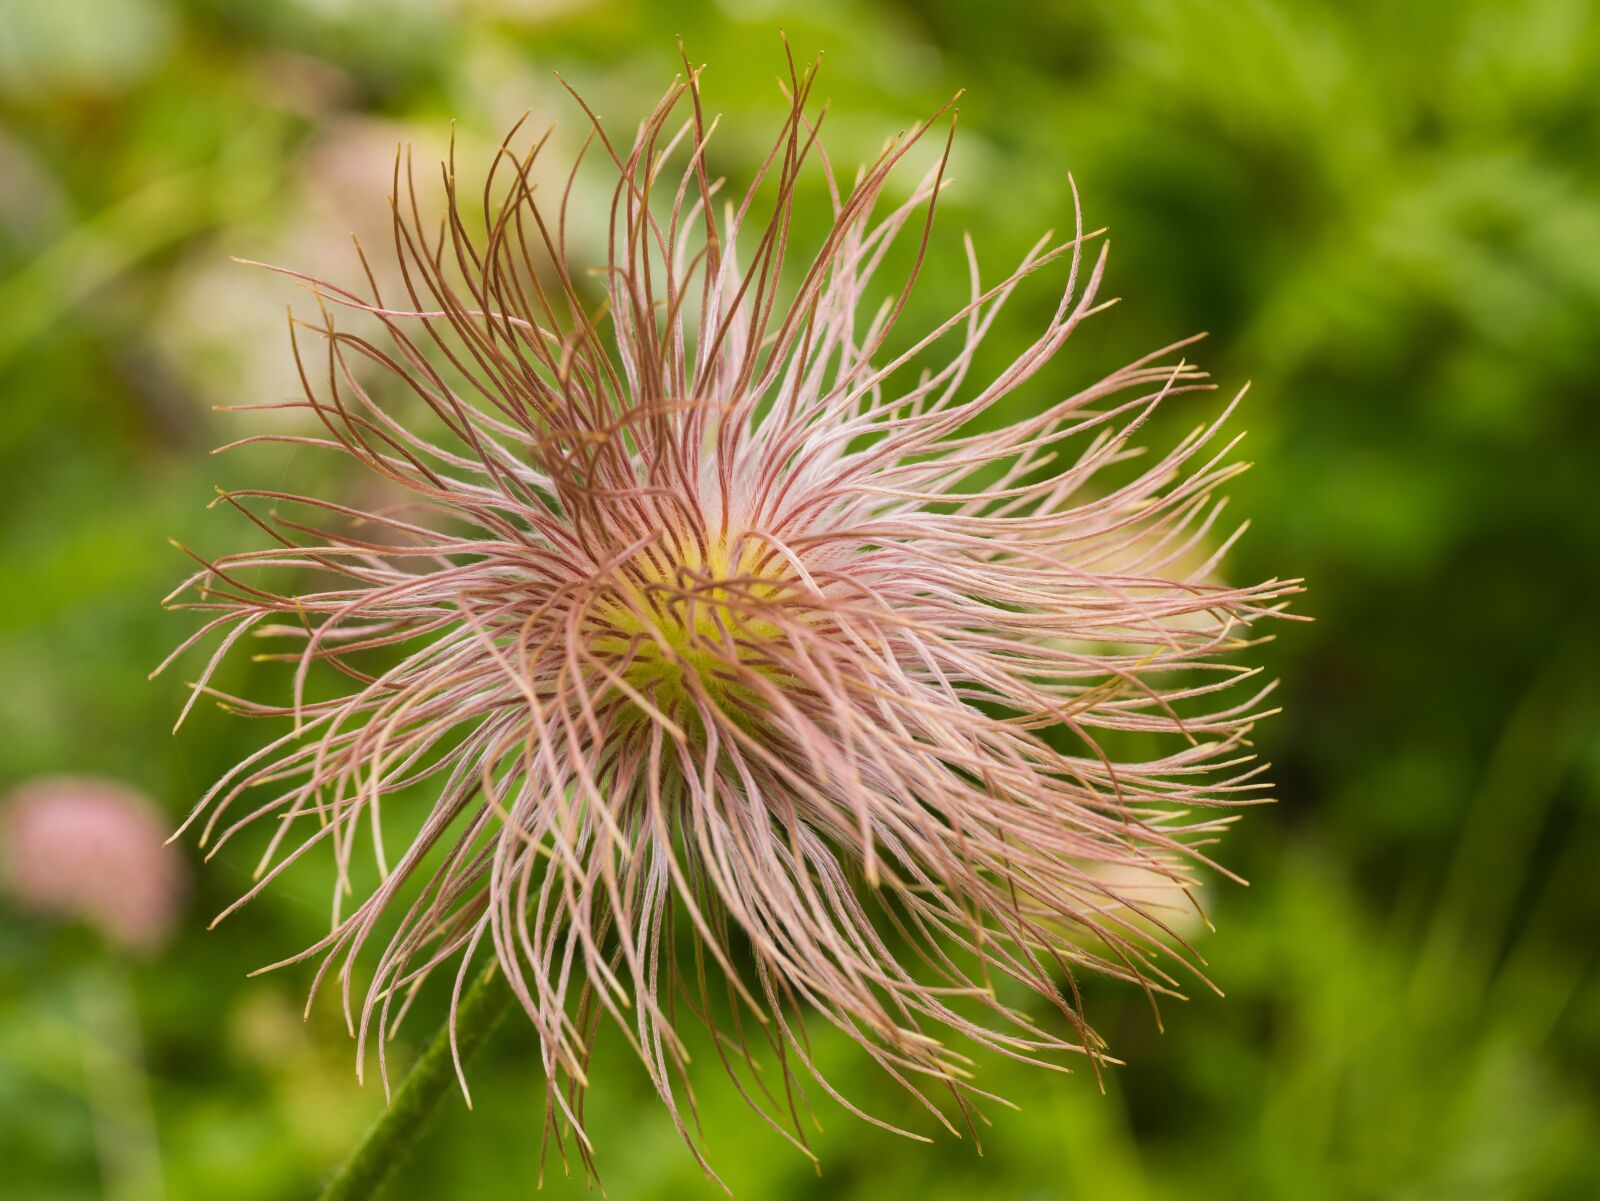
<point x="1387" y="214"/>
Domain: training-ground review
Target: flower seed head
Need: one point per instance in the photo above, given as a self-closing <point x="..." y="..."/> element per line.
<point x="722" y="653"/>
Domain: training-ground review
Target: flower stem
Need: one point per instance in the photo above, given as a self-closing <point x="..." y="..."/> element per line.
<point x="399" y="1127"/>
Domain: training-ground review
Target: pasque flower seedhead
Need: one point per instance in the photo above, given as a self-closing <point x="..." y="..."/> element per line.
<point x="727" y="656"/>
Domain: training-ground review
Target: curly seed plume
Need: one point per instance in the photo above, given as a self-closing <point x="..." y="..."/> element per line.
<point x="717" y="664"/>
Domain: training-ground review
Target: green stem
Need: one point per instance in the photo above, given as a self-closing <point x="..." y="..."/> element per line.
<point x="399" y="1127"/>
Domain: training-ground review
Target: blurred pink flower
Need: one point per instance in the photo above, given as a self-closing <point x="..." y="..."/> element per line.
<point x="95" y="849"/>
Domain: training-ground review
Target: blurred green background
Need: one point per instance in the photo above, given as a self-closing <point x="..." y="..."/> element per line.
<point x="1388" y="217"/>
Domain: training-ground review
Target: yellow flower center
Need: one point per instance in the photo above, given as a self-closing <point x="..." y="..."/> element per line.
<point x="684" y="609"/>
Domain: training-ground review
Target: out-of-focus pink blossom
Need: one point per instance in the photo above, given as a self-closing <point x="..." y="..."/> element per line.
<point x="95" y="849"/>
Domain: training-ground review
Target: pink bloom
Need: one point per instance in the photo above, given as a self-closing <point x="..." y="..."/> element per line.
<point x="750" y="676"/>
<point x="92" y="849"/>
